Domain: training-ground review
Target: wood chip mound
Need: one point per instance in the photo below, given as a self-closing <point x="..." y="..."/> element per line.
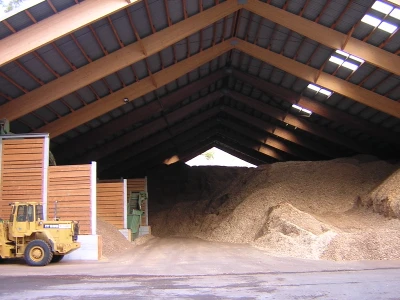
<point x="301" y="209"/>
<point x="113" y="241"/>
<point x="385" y="199"/>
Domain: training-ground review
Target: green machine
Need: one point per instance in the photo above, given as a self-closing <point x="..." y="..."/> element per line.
<point x="135" y="212"/>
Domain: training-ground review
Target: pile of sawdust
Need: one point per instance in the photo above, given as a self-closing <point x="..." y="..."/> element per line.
<point x="385" y="199"/>
<point x="142" y="239"/>
<point x="287" y="209"/>
<point x="113" y="241"/>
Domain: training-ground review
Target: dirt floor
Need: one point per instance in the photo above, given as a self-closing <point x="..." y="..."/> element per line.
<point x="342" y="209"/>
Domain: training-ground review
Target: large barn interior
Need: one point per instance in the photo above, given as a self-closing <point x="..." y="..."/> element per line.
<point x="307" y="90"/>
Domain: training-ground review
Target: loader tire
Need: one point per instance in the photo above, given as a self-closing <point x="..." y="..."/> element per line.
<point x="38" y="253"/>
<point x="57" y="258"/>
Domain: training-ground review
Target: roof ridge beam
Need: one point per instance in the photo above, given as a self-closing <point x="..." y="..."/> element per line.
<point x="134" y="91"/>
<point x="327" y="36"/>
<point x="322" y="79"/>
<point x="57" y="26"/>
<point x="115" y="61"/>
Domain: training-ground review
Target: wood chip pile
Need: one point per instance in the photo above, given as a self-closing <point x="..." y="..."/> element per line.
<point x="315" y="210"/>
<point x="113" y="242"/>
<point x="385" y="199"/>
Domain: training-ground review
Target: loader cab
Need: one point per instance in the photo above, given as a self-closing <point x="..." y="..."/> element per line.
<point x="23" y="218"/>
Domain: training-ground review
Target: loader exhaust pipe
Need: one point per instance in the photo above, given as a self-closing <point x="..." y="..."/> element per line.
<point x="55" y="210"/>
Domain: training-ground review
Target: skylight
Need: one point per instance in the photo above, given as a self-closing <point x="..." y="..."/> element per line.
<point x="371" y="20"/>
<point x="350" y="66"/>
<point x="395" y="13"/>
<point x="344" y="62"/>
<point x="319" y="90"/>
<point x="385" y="9"/>
<point x="387" y="27"/>
<point x="325" y="92"/>
<point x="10" y="8"/>
<point x="302" y="111"/>
<point x="336" y="60"/>
<point x="314" y="87"/>
<point x="382" y="7"/>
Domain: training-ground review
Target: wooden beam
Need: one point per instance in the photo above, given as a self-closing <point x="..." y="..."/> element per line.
<point x="115" y="61"/>
<point x="256" y="145"/>
<point x="322" y="79"/>
<point x="69" y="149"/>
<point x="269" y="140"/>
<point x="302" y="124"/>
<point x="327" y="36"/>
<point x="117" y="161"/>
<point x="148" y="129"/>
<point x="187" y="139"/>
<point x="283" y="133"/>
<point x="189" y="142"/>
<point x="317" y="107"/>
<point x="135" y="90"/>
<point x="154" y="140"/>
<point x="238" y="154"/>
<point x="57" y="26"/>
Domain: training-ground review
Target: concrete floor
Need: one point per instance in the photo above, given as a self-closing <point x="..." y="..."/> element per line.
<point x="194" y="269"/>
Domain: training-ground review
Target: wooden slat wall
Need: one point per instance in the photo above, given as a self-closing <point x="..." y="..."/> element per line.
<point x="21" y="172"/>
<point x="70" y="186"/>
<point x="138" y="185"/>
<point x="110" y="203"/>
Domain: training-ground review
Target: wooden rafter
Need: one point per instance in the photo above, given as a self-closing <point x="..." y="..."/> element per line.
<point x="326" y="36"/>
<point x="69" y="149"/>
<point x="317" y="107"/>
<point x="114" y="62"/>
<point x="57" y="26"/>
<point x="149" y="128"/>
<point x="133" y="91"/>
<point x="322" y="79"/>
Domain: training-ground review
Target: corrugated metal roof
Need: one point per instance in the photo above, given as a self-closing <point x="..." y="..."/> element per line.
<point x="108" y="35"/>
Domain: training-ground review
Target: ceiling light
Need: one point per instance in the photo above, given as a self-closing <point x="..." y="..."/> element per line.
<point x="309" y="112"/>
<point x="325" y="92"/>
<point x="297" y="107"/>
<point x="342" y="53"/>
<point x="382" y="7"/>
<point x="313" y="87"/>
<point x="126" y="100"/>
<point x="336" y="60"/>
<point x="357" y="59"/>
<point x="387" y="27"/>
<point x="371" y="20"/>
<point x="395" y="13"/>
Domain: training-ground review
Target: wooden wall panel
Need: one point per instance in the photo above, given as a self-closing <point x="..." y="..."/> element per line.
<point x="21" y="172"/>
<point x="139" y="185"/>
<point x="70" y="186"/>
<point x="110" y="203"/>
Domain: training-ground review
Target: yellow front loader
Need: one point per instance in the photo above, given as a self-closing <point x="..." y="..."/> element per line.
<point x="39" y="242"/>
